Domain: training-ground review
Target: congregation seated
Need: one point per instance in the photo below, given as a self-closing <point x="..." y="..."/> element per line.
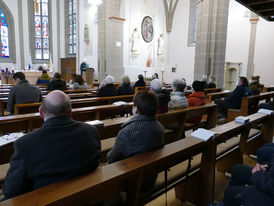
<point x="212" y="83"/>
<point x="156" y="85"/>
<point x="109" y="89"/>
<point x="22" y="93"/>
<point x="255" y="85"/>
<point x="79" y="83"/>
<point x="61" y="149"/>
<point x="251" y="186"/>
<point x="197" y="98"/>
<point x="234" y="100"/>
<point x="44" y="78"/>
<point x="141" y="82"/>
<point x="57" y="83"/>
<point x="125" y="88"/>
<point x="142" y="133"/>
<point x="177" y="96"/>
<point x="204" y="81"/>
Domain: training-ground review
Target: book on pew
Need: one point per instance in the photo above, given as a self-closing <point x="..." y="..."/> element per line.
<point x="9" y="138"/>
<point x="266" y="111"/>
<point x="96" y="123"/>
<point x="242" y="119"/>
<point x="120" y="103"/>
<point x="203" y="134"/>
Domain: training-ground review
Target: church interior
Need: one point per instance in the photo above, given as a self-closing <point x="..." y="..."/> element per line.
<point x="158" y="102"/>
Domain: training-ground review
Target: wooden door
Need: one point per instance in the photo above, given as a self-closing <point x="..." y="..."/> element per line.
<point x="68" y="67"/>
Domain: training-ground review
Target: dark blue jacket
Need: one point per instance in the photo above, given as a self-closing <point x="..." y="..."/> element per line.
<point x="261" y="193"/>
<point x="108" y="90"/>
<point x="236" y="96"/>
<point x="61" y="149"/>
<point x="125" y="89"/>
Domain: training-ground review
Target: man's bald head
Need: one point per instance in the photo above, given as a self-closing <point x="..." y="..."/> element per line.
<point x="56" y="103"/>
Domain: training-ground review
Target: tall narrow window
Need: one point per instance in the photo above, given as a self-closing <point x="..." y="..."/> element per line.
<point x="72" y="26"/>
<point x="193" y="17"/>
<point x="41" y="30"/>
<point x="4" y="37"/>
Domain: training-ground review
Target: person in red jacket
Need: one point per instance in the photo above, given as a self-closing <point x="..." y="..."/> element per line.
<point x="197" y="98"/>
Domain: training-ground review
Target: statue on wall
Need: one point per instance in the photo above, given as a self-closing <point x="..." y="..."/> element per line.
<point x="161" y="44"/>
<point x="135" y="42"/>
<point x="86" y="34"/>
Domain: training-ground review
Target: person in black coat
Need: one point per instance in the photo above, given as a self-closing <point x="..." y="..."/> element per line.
<point x="251" y="186"/>
<point x="109" y="89"/>
<point x="57" y="83"/>
<point x="61" y="149"/>
<point x="125" y="88"/>
<point x="234" y="100"/>
<point x="141" y="82"/>
<point x="212" y="83"/>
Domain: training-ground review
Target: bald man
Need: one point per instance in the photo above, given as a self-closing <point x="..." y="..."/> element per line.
<point x="61" y="149"/>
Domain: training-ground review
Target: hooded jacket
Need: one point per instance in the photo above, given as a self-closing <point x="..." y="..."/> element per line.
<point x="196" y="99"/>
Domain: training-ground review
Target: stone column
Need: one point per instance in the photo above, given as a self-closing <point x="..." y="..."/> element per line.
<point x="250" y="65"/>
<point x="110" y="39"/>
<point x="211" y="39"/>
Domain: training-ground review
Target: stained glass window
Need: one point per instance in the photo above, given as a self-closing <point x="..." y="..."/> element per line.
<point x="4" y="37"/>
<point x="41" y="29"/>
<point x="72" y="26"/>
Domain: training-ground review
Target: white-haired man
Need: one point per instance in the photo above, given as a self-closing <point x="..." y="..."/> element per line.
<point x="83" y="66"/>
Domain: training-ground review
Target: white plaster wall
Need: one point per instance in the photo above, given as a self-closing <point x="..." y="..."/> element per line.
<point x="238" y="35"/>
<point x="264" y="49"/>
<point x="134" y="12"/>
<point x="88" y="51"/>
<point x="179" y="54"/>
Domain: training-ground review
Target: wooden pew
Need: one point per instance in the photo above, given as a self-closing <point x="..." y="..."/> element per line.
<point x="137" y="89"/>
<point x="210" y="97"/>
<point x="212" y="90"/>
<point x="75" y="103"/>
<point x="249" y="105"/>
<point x="111" y="179"/>
<point x="126" y="175"/>
<point x="268" y="88"/>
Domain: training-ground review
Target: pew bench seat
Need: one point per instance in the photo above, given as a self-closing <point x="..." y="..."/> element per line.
<point x="3" y="171"/>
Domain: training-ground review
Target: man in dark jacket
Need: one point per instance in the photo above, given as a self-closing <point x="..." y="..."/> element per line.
<point x="23" y="92"/>
<point x="234" y="101"/>
<point x="141" y="82"/>
<point x="57" y="83"/>
<point x="61" y="149"/>
<point x="251" y="186"/>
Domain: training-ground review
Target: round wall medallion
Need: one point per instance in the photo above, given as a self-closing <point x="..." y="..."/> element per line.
<point x="147" y="29"/>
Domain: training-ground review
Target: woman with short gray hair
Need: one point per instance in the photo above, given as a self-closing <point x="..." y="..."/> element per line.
<point x="178" y="98"/>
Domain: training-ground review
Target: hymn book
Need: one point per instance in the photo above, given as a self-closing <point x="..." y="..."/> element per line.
<point x="203" y="134"/>
<point x="266" y="111"/>
<point x="242" y="119"/>
<point x="9" y="138"/>
<point x="96" y="123"/>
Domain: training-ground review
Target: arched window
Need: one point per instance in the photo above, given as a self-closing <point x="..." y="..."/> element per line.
<point x="71" y="28"/>
<point x="4" y="37"/>
<point x="7" y="38"/>
<point x="41" y="31"/>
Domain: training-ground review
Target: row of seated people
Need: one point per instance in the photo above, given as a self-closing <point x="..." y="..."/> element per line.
<point x="58" y="158"/>
<point x="57" y="83"/>
<point x="63" y="148"/>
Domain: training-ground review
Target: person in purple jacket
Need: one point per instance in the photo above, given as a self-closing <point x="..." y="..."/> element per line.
<point x="234" y="100"/>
